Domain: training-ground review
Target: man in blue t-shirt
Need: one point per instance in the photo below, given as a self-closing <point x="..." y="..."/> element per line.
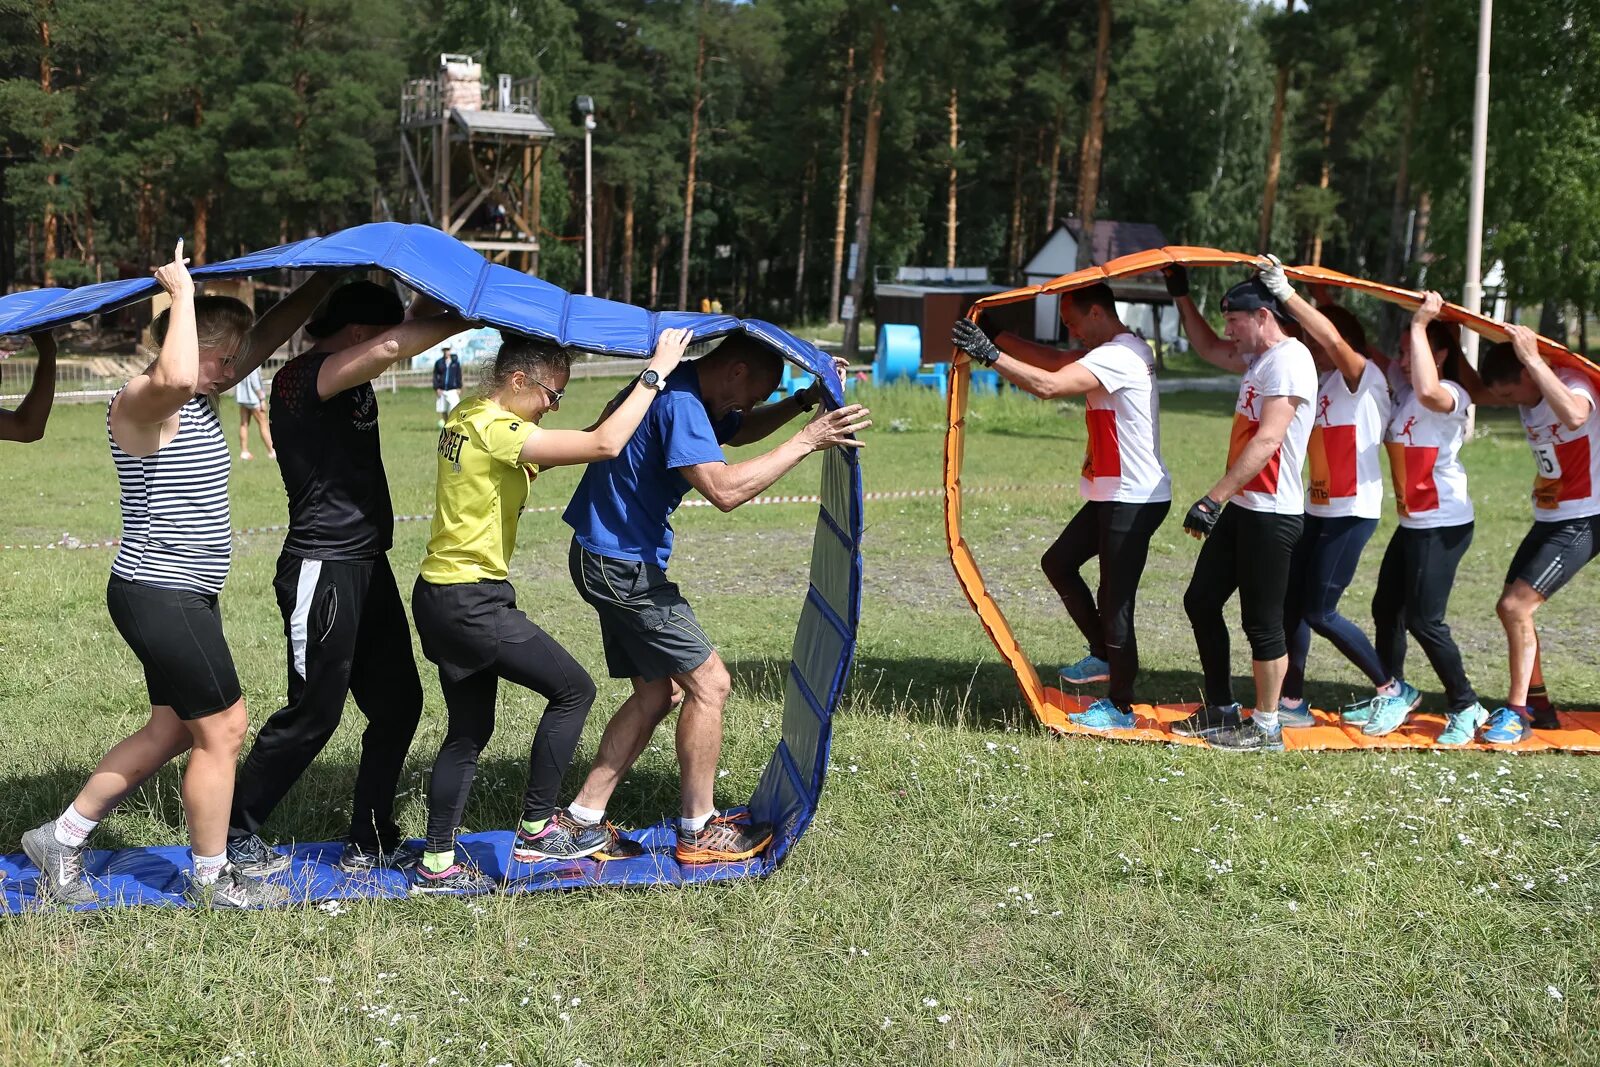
<point x="622" y="540"/>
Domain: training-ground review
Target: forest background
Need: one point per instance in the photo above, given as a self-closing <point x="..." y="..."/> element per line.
<point x="926" y="132"/>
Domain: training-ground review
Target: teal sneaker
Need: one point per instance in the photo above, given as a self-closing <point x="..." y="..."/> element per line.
<point x="1388" y="713"/>
<point x="1296" y="718"/>
<point x="1103" y="715"/>
<point x="1460" y="726"/>
<point x="1356" y="714"/>
<point x="1090" y="668"/>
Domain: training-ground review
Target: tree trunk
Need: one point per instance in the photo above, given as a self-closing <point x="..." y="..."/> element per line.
<point x="656" y="253"/>
<point x="627" y="244"/>
<point x="538" y="207"/>
<point x="797" y="310"/>
<point x="1094" y="138"/>
<point x="202" y="201"/>
<point x="605" y="215"/>
<point x="864" y="198"/>
<point x="1269" y="196"/>
<point x="950" y="206"/>
<point x="1326" y="177"/>
<point x="48" y="149"/>
<point x="1054" y="183"/>
<point x="202" y="215"/>
<point x="1014" y="227"/>
<point x="843" y="200"/>
<point x="694" y="149"/>
<point x="1419" y="236"/>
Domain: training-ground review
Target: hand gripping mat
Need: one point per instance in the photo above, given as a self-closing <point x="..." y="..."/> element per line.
<point x="825" y="636"/>
<point x="1580" y="731"/>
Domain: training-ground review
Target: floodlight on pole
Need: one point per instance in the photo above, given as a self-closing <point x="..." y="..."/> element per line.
<point x="1472" y="296"/>
<point x="583" y="111"/>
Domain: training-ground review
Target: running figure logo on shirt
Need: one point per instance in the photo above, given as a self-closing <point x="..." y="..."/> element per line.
<point x="1405" y="431"/>
<point x="1249" y="402"/>
<point x="1322" y="409"/>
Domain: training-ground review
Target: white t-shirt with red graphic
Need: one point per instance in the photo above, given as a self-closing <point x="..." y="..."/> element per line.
<point x="1566" y="484"/>
<point x="1122" y="457"/>
<point x="1285" y="369"/>
<point x="1346" y="476"/>
<point x="1430" y="484"/>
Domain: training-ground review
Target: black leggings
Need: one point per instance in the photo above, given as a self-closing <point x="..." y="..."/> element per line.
<point x="1324" y="564"/>
<point x="1414" y="581"/>
<point x="1120" y="535"/>
<point x="1247" y="551"/>
<point x="525" y="655"/>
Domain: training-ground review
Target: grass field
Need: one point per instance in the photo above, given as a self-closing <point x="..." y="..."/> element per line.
<point x="972" y="892"/>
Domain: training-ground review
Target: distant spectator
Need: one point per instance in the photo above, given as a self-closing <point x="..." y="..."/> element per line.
<point x="446" y="384"/>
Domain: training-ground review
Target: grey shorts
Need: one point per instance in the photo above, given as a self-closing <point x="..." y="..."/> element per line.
<point x="646" y="627"/>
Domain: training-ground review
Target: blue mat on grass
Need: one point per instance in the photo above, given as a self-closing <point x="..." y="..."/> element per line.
<point x="825" y="637"/>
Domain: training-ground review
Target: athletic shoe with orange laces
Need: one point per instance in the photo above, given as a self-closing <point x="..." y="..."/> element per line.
<point x="617" y="846"/>
<point x="725" y="839"/>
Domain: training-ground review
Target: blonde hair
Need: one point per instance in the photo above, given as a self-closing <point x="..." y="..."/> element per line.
<point x="219" y="321"/>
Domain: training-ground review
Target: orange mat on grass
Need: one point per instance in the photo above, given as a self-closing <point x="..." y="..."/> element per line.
<point x="1580" y="730"/>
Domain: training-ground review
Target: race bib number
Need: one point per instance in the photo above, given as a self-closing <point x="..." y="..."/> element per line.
<point x="1547" y="459"/>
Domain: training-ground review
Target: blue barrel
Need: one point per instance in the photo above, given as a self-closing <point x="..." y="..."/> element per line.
<point x="899" y="353"/>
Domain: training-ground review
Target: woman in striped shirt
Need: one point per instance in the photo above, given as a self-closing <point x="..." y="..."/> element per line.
<point x="172" y="463"/>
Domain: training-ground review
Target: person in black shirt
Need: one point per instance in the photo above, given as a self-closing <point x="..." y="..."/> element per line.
<point x="342" y="614"/>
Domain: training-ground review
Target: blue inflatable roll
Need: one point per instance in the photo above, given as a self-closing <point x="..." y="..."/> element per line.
<point x="899" y="354"/>
<point x="819" y="663"/>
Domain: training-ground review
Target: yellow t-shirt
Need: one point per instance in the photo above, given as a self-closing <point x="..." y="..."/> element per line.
<point x="478" y="494"/>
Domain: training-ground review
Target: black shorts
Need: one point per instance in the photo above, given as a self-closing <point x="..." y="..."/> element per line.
<point x="463" y="626"/>
<point x="1552" y="552"/>
<point x="177" y="635"/>
<point x="647" y="628"/>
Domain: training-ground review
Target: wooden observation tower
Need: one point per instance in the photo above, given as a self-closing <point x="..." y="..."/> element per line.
<point x="473" y="152"/>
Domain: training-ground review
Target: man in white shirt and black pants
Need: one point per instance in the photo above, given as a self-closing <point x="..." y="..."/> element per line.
<point x="1124" y="483"/>
<point x="1249" y="542"/>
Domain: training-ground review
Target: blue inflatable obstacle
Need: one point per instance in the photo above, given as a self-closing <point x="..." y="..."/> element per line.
<point x="899" y="358"/>
<point x="824" y="646"/>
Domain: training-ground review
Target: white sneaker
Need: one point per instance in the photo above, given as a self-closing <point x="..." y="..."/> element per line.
<point x="246" y="456"/>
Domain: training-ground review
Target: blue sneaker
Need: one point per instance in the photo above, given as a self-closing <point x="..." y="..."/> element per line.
<point x="1505" y="727"/>
<point x="1103" y="715"/>
<point x="1388" y="713"/>
<point x="1295" y="718"/>
<point x="1460" y="726"/>
<point x="1090" y="668"/>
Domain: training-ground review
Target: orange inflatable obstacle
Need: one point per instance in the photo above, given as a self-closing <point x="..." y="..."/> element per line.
<point x="1580" y="731"/>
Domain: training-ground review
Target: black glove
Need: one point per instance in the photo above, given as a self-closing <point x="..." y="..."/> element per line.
<point x="1202" y="517"/>
<point x="1177" y="278"/>
<point x="967" y="336"/>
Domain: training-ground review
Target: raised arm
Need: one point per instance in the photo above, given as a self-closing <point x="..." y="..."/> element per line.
<point x="153" y="397"/>
<point x="26" y="423"/>
<point x="767" y="419"/>
<point x="1433" y="393"/>
<point x="1350" y="363"/>
<point x="273" y="330"/>
<point x="1216" y="351"/>
<point x="1573" y="410"/>
<point x="729" y="485"/>
<point x="426" y="325"/>
<point x="560" y="448"/>
<point x="1041" y="375"/>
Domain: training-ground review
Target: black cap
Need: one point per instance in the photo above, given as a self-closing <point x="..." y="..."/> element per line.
<point x="357" y="304"/>
<point x="1252" y="295"/>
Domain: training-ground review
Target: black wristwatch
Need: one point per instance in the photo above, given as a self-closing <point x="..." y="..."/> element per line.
<point x="653" y="380"/>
